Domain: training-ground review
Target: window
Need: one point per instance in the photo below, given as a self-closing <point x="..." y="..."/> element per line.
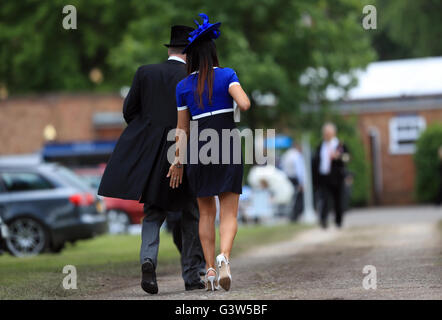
<point x="24" y="181"/>
<point x="72" y="178"/>
<point x="404" y="131"/>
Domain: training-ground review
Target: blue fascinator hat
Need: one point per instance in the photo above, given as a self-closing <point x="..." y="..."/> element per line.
<point x="208" y="29"/>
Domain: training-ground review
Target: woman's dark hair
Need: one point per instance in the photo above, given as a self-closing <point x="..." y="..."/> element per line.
<point x="201" y="57"/>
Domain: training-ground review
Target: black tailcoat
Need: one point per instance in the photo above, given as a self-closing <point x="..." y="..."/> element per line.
<point x="138" y="165"/>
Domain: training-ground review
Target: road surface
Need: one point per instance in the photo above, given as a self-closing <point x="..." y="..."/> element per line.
<point x="403" y="244"/>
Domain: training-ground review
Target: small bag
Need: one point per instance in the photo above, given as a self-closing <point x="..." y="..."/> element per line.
<point x="236" y="112"/>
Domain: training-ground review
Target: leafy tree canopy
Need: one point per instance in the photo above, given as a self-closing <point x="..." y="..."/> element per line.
<point x="269" y="43"/>
<point x="408" y="28"/>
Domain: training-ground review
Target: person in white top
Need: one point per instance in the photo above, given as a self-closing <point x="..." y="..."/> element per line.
<point x="329" y="172"/>
<point x="292" y="164"/>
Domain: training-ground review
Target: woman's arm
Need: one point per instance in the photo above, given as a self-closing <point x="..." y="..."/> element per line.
<point x="240" y="97"/>
<point x="176" y="169"/>
<point x="182" y="134"/>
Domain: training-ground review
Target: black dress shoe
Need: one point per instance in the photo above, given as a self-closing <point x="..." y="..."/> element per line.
<point x="149" y="278"/>
<point x="195" y="285"/>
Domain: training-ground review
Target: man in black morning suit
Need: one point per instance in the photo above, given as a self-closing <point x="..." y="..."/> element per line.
<point x="329" y="172"/>
<point x="138" y="166"/>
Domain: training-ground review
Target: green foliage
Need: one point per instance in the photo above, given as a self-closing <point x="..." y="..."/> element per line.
<point x="37" y="54"/>
<point x="427" y="162"/>
<point x="270" y="43"/>
<point x="408" y="28"/>
<point x="358" y="165"/>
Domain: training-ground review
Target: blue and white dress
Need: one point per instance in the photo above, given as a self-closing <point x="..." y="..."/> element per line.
<point x="221" y="174"/>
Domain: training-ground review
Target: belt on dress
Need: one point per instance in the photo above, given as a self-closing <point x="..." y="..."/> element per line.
<point x="206" y="114"/>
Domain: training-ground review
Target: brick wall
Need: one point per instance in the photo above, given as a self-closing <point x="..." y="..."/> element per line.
<point x="398" y="171"/>
<point x="23" y="119"/>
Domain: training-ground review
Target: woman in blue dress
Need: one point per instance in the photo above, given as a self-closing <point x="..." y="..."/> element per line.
<point x="206" y="97"/>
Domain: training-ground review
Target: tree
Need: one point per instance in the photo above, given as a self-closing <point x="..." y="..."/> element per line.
<point x="269" y="43"/>
<point x="408" y="29"/>
<point x="427" y="163"/>
<point x="37" y="54"/>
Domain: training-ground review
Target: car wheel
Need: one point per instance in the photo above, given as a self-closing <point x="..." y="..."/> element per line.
<point x="27" y="237"/>
<point x="118" y="221"/>
<point x="57" y="248"/>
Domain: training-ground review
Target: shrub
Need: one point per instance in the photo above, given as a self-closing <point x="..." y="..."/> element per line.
<point x="427" y="162"/>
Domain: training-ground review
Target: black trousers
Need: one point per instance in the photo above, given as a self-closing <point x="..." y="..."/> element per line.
<point x="439" y="194"/>
<point x="298" y="201"/>
<point x="185" y="236"/>
<point x="174" y="224"/>
<point x="330" y="188"/>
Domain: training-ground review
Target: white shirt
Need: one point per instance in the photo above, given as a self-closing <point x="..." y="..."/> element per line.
<point x="176" y="59"/>
<point x="292" y="164"/>
<point x="325" y="155"/>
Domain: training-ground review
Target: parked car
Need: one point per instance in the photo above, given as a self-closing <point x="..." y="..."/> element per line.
<point x="3" y="234"/>
<point x="46" y="205"/>
<point x="120" y="213"/>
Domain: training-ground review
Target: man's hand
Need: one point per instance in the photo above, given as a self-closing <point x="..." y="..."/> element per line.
<point x="176" y="175"/>
<point x="336" y="155"/>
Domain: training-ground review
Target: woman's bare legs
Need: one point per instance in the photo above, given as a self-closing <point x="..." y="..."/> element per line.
<point x="207" y="207"/>
<point x="228" y="221"/>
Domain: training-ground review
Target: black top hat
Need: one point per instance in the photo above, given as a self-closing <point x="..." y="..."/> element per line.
<point x="179" y="36"/>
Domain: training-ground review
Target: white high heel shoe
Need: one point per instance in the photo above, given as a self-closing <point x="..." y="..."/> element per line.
<point x="211" y="280"/>
<point x="225" y="278"/>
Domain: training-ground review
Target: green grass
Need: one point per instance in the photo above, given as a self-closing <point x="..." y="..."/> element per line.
<point x="107" y="261"/>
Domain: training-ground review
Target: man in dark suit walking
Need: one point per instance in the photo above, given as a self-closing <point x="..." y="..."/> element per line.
<point x="138" y="166"/>
<point x="329" y="173"/>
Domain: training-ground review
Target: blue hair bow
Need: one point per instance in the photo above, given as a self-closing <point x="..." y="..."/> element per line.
<point x="212" y="29"/>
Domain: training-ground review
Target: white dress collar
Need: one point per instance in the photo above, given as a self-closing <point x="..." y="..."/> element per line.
<point x="176" y="59"/>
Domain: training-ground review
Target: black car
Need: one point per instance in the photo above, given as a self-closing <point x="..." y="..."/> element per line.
<point x="46" y="205"/>
<point x="3" y="233"/>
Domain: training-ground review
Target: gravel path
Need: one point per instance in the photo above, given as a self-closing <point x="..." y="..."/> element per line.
<point x="405" y="246"/>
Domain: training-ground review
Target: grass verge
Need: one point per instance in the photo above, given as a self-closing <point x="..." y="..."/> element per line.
<point x="107" y="262"/>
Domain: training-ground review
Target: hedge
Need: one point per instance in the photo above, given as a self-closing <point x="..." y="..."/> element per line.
<point x="427" y="164"/>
